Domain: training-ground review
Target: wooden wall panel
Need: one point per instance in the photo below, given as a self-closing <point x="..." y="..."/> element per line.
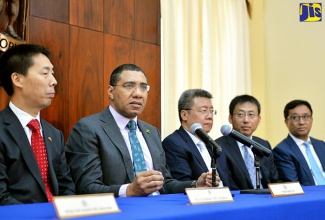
<point x="55" y="37"/>
<point x="147" y="21"/>
<point x="86" y="73"/>
<point x="117" y="51"/>
<point x="148" y="58"/>
<point x="119" y="17"/>
<point x="55" y="10"/>
<point x="87" y="14"/>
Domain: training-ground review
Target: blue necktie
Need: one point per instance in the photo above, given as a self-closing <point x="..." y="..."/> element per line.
<point x="139" y="163"/>
<point x="249" y="161"/>
<point x="314" y="167"/>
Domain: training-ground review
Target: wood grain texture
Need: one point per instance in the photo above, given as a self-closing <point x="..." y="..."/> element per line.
<point x="55" y="10"/>
<point x="87" y="14"/>
<point x="86" y="84"/>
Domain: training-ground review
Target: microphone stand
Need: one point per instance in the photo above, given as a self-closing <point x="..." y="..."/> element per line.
<point x="214" y="164"/>
<point x="257" y="163"/>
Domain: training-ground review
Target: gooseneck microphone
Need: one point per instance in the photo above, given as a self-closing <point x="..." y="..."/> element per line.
<point x="226" y="130"/>
<point x="196" y="129"/>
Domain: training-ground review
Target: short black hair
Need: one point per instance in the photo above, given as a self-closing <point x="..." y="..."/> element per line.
<point x="18" y="59"/>
<point x="243" y="99"/>
<point x="293" y="104"/>
<point x="115" y="76"/>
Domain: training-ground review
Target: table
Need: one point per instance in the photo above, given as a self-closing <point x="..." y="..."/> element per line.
<point x="310" y="205"/>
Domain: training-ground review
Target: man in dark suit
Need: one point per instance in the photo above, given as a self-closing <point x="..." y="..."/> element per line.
<point x="244" y="115"/>
<point x="101" y="155"/>
<point x="291" y="155"/>
<point x="26" y="74"/>
<point x="186" y="154"/>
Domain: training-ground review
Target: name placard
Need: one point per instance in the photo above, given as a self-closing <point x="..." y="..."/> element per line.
<point x="85" y="205"/>
<point x="285" y="189"/>
<point x="208" y="195"/>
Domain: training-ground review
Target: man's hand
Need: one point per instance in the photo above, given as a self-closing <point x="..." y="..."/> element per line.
<point x="145" y="183"/>
<point x="205" y="180"/>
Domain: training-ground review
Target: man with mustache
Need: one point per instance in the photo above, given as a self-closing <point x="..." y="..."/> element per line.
<point x="115" y="152"/>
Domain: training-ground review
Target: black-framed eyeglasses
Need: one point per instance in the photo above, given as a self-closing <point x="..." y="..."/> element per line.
<point x="204" y="111"/>
<point x="133" y="86"/>
<point x="297" y="118"/>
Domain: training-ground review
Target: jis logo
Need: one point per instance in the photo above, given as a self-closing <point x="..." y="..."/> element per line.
<point x="310" y="12"/>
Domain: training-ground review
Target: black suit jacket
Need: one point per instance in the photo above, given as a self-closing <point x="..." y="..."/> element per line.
<point x="237" y="167"/>
<point x="100" y="161"/>
<point x="20" y="177"/>
<point x="185" y="161"/>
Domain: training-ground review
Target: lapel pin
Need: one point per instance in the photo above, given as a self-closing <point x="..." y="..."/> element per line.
<point x="50" y="139"/>
<point x="148" y="131"/>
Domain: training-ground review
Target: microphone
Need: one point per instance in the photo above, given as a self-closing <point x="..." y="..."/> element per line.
<point x="196" y="129"/>
<point x="226" y="130"/>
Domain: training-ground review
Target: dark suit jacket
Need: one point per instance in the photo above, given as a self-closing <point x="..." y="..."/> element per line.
<point x="100" y="161"/>
<point x="291" y="163"/>
<point x="20" y="177"/>
<point x="185" y="161"/>
<point x="237" y="167"/>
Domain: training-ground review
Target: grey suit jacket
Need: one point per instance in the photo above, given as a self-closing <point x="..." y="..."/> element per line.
<point x="100" y="161"/>
<point x="20" y="177"/>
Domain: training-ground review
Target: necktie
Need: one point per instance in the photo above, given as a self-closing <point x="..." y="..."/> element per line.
<point x="314" y="167"/>
<point x="39" y="150"/>
<point x="139" y="163"/>
<point x="249" y="161"/>
<point x="205" y="154"/>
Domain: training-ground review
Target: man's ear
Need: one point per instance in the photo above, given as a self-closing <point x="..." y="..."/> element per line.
<point x="16" y="79"/>
<point x="110" y="90"/>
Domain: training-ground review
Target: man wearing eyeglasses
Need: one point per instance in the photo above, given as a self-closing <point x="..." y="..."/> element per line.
<point x="300" y="157"/>
<point x="113" y="151"/>
<point x="186" y="154"/>
<point x="244" y="115"/>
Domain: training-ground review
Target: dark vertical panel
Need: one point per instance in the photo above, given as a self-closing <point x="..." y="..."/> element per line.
<point x="148" y="58"/>
<point x="147" y="21"/>
<point x="55" y="37"/>
<point x="87" y="13"/>
<point x="117" y="51"/>
<point x="56" y="10"/>
<point x="86" y="73"/>
<point x="119" y="17"/>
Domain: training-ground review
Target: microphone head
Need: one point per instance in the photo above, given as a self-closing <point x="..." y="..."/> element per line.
<point x="194" y="127"/>
<point x="225" y="130"/>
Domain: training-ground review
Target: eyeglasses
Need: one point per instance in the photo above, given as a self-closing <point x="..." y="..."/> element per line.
<point x="133" y="86"/>
<point x="242" y="115"/>
<point x="297" y="118"/>
<point x="204" y="111"/>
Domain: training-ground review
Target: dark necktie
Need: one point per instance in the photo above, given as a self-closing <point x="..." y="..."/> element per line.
<point x="139" y="162"/>
<point x="314" y="167"/>
<point x="39" y="150"/>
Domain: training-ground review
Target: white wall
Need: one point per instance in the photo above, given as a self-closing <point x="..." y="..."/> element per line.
<point x="288" y="62"/>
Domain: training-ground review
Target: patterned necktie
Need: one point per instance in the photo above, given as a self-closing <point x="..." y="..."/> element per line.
<point x="314" y="167"/>
<point x="139" y="163"/>
<point x="249" y="161"/>
<point x="39" y="150"/>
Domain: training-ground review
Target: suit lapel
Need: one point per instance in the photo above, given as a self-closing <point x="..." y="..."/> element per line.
<point x="236" y="153"/>
<point x="113" y="132"/>
<point x="17" y="132"/>
<point x="193" y="148"/>
<point x="320" y="151"/>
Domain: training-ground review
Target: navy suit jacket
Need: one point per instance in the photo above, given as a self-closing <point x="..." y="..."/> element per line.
<point x="20" y="177"/>
<point x="100" y="161"/>
<point x="185" y="161"/>
<point x="291" y="163"/>
<point x="237" y="167"/>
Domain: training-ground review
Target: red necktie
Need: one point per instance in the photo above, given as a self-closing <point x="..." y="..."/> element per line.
<point x="39" y="149"/>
